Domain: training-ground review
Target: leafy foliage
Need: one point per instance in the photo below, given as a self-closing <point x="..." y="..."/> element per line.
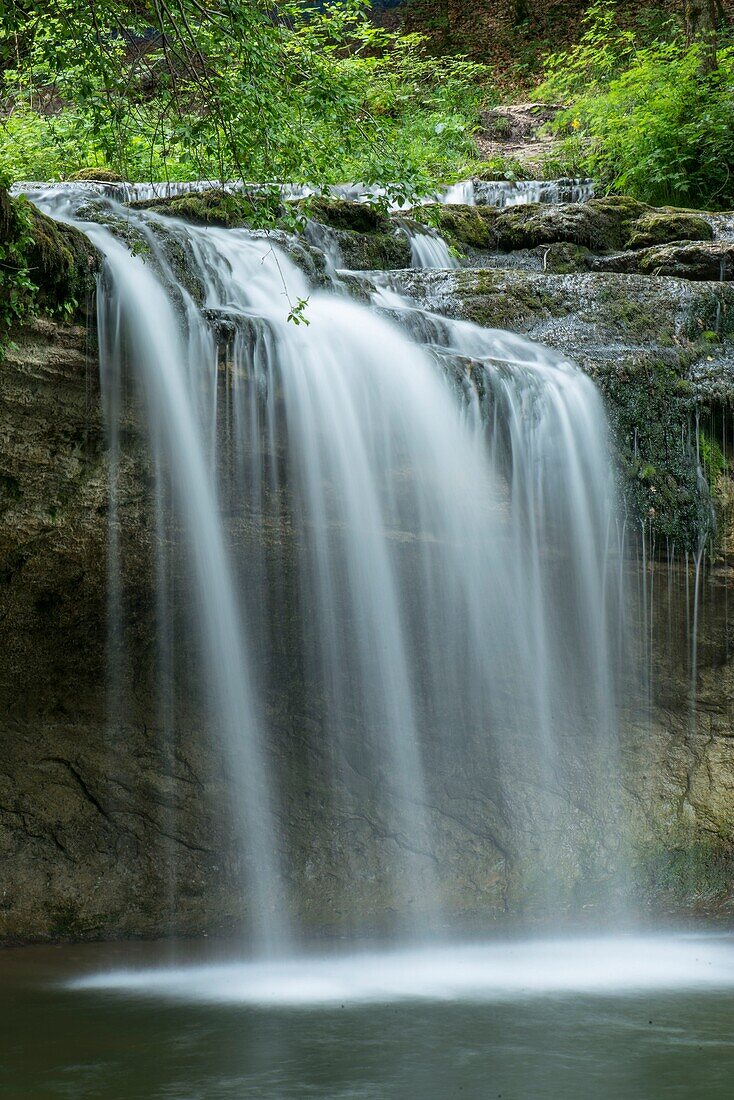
<point x="645" y="120"/>
<point x="174" y="89"/>
<point x="45" y="266"/>
<point x="16" y="285"/>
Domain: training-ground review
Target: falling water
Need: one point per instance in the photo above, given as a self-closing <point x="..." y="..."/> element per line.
<point x="517" y="192"/>
<point x="428" y="249"/>
<point x="500" y="193"/>
<point x="418" y="513"/>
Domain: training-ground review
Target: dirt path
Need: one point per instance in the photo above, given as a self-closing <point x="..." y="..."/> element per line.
<point x="513" y="133"/>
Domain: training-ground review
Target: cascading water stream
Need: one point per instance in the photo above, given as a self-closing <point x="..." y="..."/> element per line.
<point x="427" y="510"/>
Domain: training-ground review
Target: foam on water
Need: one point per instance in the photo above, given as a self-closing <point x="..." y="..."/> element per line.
<point x="604" y="966"/>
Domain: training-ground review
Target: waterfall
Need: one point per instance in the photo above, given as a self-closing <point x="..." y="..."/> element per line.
<point x="500" y="193"/>
<point x="503" y="193"/>
<point x="428" y="249"/>
<point x="397" y="528"/>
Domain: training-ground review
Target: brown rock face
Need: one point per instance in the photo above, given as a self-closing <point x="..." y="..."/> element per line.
<point x="90" y="814"/>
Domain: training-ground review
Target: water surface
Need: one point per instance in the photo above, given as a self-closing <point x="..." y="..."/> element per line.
<point x="561" y="1020"/>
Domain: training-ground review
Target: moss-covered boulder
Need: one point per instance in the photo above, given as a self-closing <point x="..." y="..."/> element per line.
<point x="702" y="261"/>
<point x="62" y="263"/>
<point x="232" y="209"/>
<point x="664" y="227"/>
<point x="374" y="251"/>
<point x="358" y="236"/>
<point x="462" y="226"/>
<point x="96" y="175"/>
<point x="355" y="217"/>
<point x="600" y="224"/>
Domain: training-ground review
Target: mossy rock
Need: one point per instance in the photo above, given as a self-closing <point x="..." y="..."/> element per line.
<point x="96" y="175"/>
<point x="357" y="217"/>
<point x="662" y="227"/>
<point x="233" y="210"/>
<point x="462" y="226"/>
<point x="600" y="224"/>
<point x="650" y="406"/>
<point x="62" y="262"/>
<point x="490" y="299"/>
<point x="374" y="251"/>
<point x="565" y="258"/>
<point x="57" y="263"/>
<point x="659" y="350"/>
<point x="701" y="261"/>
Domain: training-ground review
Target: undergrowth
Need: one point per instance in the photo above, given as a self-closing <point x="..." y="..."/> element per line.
<point x="644" y="119"/>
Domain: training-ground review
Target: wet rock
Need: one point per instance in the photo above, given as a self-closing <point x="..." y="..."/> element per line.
<point x="233" y="209"/>
<point x="58" y="261"/>
<point x="664" y="227"/>
<point x="705" y="261"/>
<point x="62" y="263"/>
<point x="373" y="251"/>
<point x="463" y="226"/>
<point x="96" y="175"/>
<point x="355" y="217"/>
<point x="91" y="810"/>
<point x="599" y="224"/>
<point x="657" y="348"/>
<point x="104" y="824"/>
<point x="362" y="236"/>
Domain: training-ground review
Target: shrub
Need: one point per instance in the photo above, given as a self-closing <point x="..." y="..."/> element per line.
<point x="643" y="119"/>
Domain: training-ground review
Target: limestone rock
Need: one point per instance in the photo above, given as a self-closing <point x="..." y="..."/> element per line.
<point x="707" y="261"/>
<point x="664" y="227"/>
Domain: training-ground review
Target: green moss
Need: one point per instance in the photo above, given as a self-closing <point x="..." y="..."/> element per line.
<point x="603" y="225"/>
<point x="374" y="251"/>
<point x="695" y="873"/>
<point x="564" y="258"/>
<point x="600" y="224"/>
<point x="216" y="207"/>
<point x="657" y="227"/>
<point x="461" y="226"/>
<point x="359" y="217"/>
<point x="487" y="301"/>
<point x="717" y="471"/>
<point x="62" y="263"/>
<point x="636" y="320"/>
<point x="46" y="266"/>
<point x="650" y="412"/>
<point x="713" y="459"/>
<point x="96" y="175"/>
<point x="467" y="226"/>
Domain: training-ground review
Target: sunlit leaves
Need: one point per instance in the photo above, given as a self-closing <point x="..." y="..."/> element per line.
<point x="178" y="88"/>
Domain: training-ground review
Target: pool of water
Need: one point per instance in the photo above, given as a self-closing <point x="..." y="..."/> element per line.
<point x="626" y="1018"/>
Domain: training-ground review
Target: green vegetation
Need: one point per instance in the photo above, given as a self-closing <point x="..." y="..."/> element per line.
<point x="650" y="115"/>
<point x="16" y="285"/>
<point x="44" y="265"/>
<point x="256" y="91"/>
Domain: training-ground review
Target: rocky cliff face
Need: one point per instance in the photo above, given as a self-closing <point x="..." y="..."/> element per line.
<point x="87" y="805"/>
<point x="106" y="828"/>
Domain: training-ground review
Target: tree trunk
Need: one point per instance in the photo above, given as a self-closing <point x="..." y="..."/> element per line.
<point x="701" y="20"/>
